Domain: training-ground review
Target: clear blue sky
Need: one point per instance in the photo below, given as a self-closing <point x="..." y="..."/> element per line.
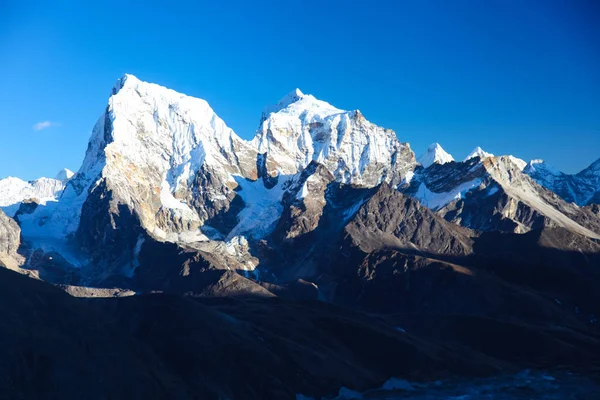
<point x="513" y="76"/>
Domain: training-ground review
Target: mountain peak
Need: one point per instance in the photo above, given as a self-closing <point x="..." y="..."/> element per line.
<point x="593" y="169"/>
<point x="126" y="79"/>
<point x="540" y="166"/>
<point x="287" y="100"/>
<point x="478" y="152"/>
<point x="295" y="104"/>
<point x="64" y="175"/>
<point x="434" y="154"/>
<point x="296" y="93"/>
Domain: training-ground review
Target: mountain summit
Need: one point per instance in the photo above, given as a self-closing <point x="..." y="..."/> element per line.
<point x="434" y="154"/>
<point x="478" y="152"/>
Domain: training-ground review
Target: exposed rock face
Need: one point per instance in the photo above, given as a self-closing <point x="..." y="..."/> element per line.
<point x="390" y="219"/>
<point x="493" y="194"/>
<point x="9" y="235"/>
<point x="582" y="188"/>
<point x="10" y="239"/>
<point x="304" y="202"/>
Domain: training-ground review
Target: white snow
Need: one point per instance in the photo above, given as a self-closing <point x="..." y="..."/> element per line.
<point x="13" y="191"/>
<point x="478" y="152"/>
<point x="303" y="192"/>
<point x="169" y="201"/>
<point x="521" y="164"/>
<point x="541" y="165"/>
<point x="301" y="129"/>
<point x="434" y="154"/>
<point x="407" y="178"/>
<point x="263" y="207"/>
<point x="435" y="201"/>
<point x="64" y="175"/>
<point x="151" y="141"/>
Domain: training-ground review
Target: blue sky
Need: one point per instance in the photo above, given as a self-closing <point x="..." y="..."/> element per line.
<point x="515" y="77"/>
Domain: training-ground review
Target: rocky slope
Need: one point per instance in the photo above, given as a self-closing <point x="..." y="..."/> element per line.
<point x="494" y="194"/>
<point x="165" y="346"/>
<point x="10" y="240"/>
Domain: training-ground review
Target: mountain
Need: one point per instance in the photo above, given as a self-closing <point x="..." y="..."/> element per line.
<point x="434" y="154"/>
<point x="10" y="240"/>
<point x="301" y="129"/>
<point x="478" y="152"/>
<point x="582" y="188"/>
<point x="305" y="252"/>
<point x="165" y="346"/>
<point x="493" y="194"/>
<point x="64" y="175"/>
<point x="13" y="191"/>
<point x="168" y="168"/>
<point x="163" y="174"/>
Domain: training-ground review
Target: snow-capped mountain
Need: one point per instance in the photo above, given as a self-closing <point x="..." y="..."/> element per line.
<point x="166" y="163"/>
<point x="163" y="174"/>
<point x="320" y="205"/>
<point x="300" y="129"/>
<point x="494" y="194"/>
<point x="13" y="191"/>
<point x="582" y="188"/>
<point x="64" y="175"/>
<point x="434" y="154"/>
<point x="478" y="152"/>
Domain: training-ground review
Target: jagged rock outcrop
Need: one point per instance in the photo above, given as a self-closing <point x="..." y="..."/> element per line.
<point x="10" y="239"/>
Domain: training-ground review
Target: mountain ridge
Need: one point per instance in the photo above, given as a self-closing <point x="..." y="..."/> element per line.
<point x="162" y="168"/>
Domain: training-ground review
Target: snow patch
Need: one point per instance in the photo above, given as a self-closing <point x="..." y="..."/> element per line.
<point x="263" y="207"/>
<point x="435" y="201"/>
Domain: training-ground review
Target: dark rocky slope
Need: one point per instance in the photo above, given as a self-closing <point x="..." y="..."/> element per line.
<point x="166" y="346"/>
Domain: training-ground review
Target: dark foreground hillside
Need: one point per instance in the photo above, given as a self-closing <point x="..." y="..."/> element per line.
<point x="53" y="345"/>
